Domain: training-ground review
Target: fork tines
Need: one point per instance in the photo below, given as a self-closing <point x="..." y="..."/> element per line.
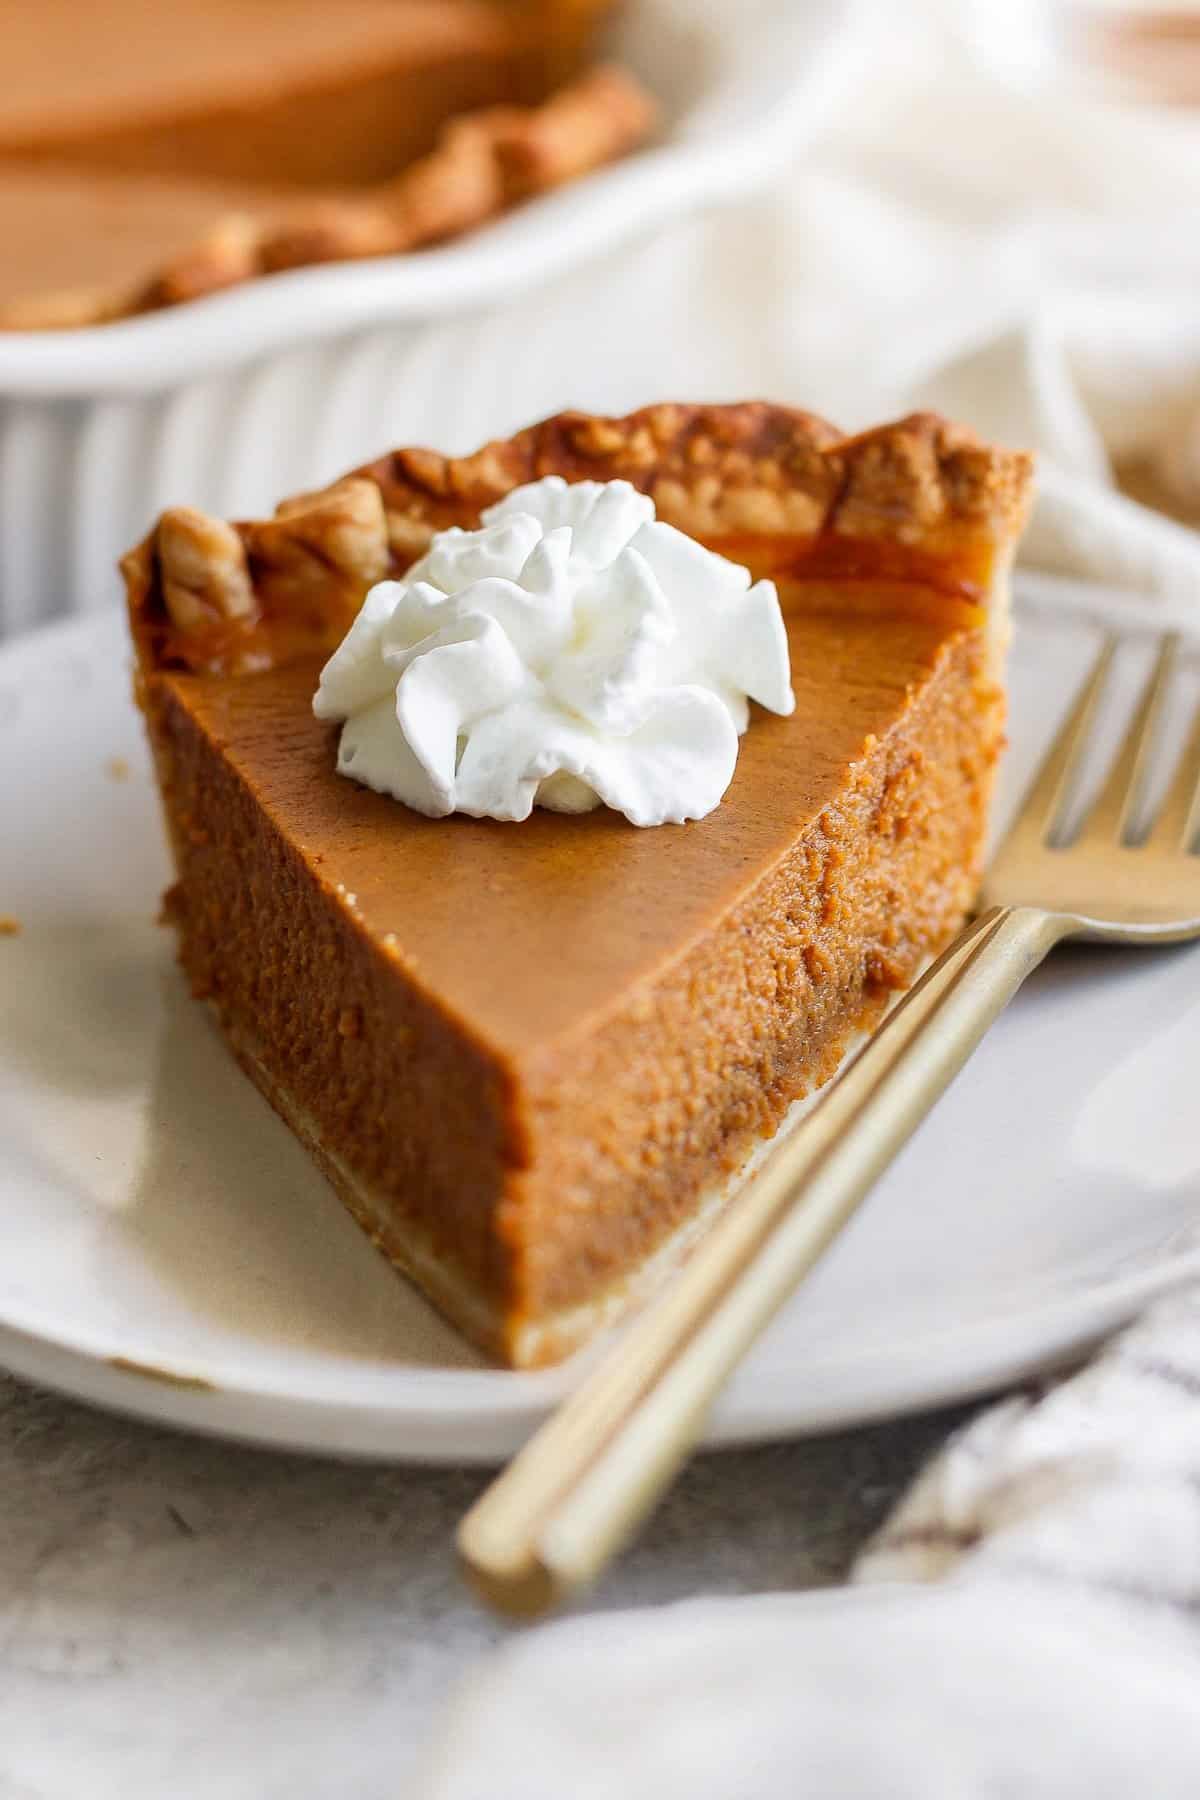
<point x="1111" y="817"/>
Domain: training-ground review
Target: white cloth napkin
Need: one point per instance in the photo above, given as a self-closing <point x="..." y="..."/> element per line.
<point x="1028" y="1622"/>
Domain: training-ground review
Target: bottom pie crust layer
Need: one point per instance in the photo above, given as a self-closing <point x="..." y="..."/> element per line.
<point x="415" y="1253"/>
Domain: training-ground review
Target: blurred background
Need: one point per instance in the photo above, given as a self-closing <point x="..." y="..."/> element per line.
<point x="252" y="243"/>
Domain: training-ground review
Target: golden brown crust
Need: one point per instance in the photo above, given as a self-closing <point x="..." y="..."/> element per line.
<point x="66" y="309"/>
<point x="484" y="162"/>
<point x="455" y="188"/>
<point x="233" y="598"/>
<point x="919" y="500"/>
<point x="753" y="469"/>
<point x="584" y="125"/>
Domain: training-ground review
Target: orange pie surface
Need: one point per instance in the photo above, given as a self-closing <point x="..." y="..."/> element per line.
<point x="528" y="1055"/>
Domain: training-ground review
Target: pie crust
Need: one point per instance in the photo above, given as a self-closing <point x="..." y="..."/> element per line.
<point x="484" y="163"/>
<point x="918" y="501"/>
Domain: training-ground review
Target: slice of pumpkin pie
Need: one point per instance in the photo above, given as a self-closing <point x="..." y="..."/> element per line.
<point x="548" y="820"/>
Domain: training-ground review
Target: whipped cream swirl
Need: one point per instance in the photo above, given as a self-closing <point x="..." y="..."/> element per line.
<point x="573" y="652"/>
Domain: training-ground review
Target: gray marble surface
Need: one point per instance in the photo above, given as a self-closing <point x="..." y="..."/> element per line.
<point x="183" y="1616"/>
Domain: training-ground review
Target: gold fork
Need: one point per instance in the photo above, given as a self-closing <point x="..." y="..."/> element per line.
<point x="579" y="1488"/>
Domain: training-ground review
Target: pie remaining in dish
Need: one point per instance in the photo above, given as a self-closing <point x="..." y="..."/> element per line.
<point x="241" y="137"/>
<point x="527" y="1056"/>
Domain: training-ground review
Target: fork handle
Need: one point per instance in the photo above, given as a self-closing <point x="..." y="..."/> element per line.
<point x="577" y="1491"/>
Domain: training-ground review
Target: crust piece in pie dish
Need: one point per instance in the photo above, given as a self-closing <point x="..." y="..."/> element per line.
<point x="528" y="1057"/>
<point x="92" y="247"/>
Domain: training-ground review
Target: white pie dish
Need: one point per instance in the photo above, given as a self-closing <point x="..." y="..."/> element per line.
<point x="208" y="402"/>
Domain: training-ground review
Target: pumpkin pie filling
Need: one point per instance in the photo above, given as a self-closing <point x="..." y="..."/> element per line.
<point x="527" y="1055"/>
<point x="275" y="92"/>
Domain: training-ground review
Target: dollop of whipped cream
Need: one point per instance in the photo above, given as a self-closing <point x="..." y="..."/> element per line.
<point x="575" y="651"/>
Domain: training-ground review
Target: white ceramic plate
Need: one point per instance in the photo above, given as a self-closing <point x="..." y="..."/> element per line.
<point x="166" y="1248"/>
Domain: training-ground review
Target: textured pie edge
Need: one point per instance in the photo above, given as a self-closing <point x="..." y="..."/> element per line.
<point x="917" y="500"/>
